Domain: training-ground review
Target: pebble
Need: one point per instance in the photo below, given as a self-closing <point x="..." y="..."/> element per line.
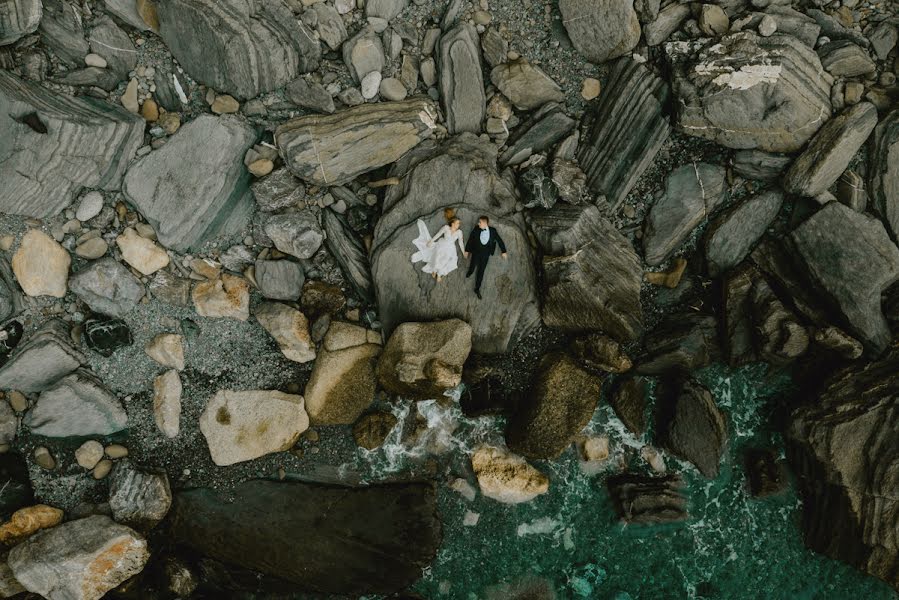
<point x="129" y="98"/>
<point x="167" y="403"/>
<point x="141" y="253"/>
<point x="89" y="454"/>
<point x="95" y="60"/>
<point x="167" y="349"/>
<point x="767" y="26"/>
<point x="170" y="122"/>
<point x="44" y="459"/>
<point x="6" y="242"/>
<point x="17" y="401"/>
<point x="590" y="88"/>
<point x="482" y="17"/>
<point x="261" y="167"/>
<point x="89" y="207"/>
<point x="102" y="469"/>
<point x="370" y="85"/>
<point x="150" y="111"/>
<point x="41" y="265"/>
<point x="392" y="89"/>
<point x="225" y="104"/>
<point x="92" y="248"/>
<point x="116" y="451"/>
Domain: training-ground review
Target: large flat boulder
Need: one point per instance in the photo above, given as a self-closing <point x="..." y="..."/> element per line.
<point x="242" y="48"/>
<point x="460" y="173"/>
<point x="196" y="186"/>
<point x="746" y="91"/>
<point x="322" y="538"/>
<point x="54" y="145"/>
<point x="730" y="237"/>
<point x="883" y="168"/>
<point x="337" y="148"/>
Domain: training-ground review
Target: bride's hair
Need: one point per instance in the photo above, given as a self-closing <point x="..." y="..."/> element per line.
<point x="450" y="215"/>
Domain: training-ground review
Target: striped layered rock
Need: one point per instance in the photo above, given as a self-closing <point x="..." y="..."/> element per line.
<point x="196" y="187"/>
<point x="18" y="18"/>
<point x="77" y="405"/>
<point x="41" y="359"/>
<point x="884" y="171"/>
<point x="745" y="91"/>
<point x="242" y="48"/>
<point x="461" y="79"/>
<point x="55" y="145"/>
<point x="844" y="450"/>
<point x="625" y="132"/>
<point x="337" y="148"/>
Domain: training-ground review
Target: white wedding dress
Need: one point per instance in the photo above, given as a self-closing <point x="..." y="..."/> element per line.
<point x="440" y="256"/>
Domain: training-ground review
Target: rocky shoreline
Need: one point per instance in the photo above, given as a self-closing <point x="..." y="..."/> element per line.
<point x="207" y="306"/>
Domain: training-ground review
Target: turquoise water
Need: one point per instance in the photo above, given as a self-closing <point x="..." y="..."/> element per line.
<point x="732" y="546"/>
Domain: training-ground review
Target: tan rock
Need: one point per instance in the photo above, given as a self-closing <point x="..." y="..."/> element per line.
<point x="507" y="477"/>
<point x="225" y="104"/>
<point x="670" y="277"/>
<point x="170" y="122"/>
<point x="102" y="469"/>
<point x="595" y="448"/>
<point x="261" y="167"/>
<point x="129" y="98"/>
<point x="44" y="459"/>
<point x="290" y="329"/>
<point x="139" y="252"/>
<point x="167" y="403"/>
<point x="89" y="454"/>
<point x="590" y="88"/>
<point x="227" y="296"/>
<point x="17" y="401"/>
<point x="240" y="426"/>
<point x="147" y="11"/>
<point x="92" y="249"/>
<point x="167" y="349"/>
<point x="41" y="265"/>
<point x="208" y="268"/>
<point x="150" y="110"/>
<point x="27" y="521"/>
<point x="116" y="451"/>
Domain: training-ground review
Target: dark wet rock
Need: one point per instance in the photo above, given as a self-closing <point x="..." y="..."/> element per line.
<point x="883" y="174"/>
<point x="690" y="424"/>
<point x="41" y="359"/>
<point x="765" y="473"/>
<point x="601" y="353"/>
<point x="839" y="342"/>
<point x="62" y="31"/>
<point x="525" y="85"/>
<point x="681" y="342"/>
<point x="744" y="91"/>
<point x="601" y="30"/>
<point x="280" y="279"/>
<point x="488" y="396"/>
<point x="107" y="287"/>
<point x="460" y="173"/>
<point x="55" y="145"/>
<point x="10" y="336"/>
<point x="109" y="41"/>
<point x="320" y="298"/>
<point x="138" y="498"/>
<point x="648" y="499"/>
<point x="851" y="190"/>
<point x="730" y="237"/>
<point x="19" y="18"/>
<point x="170" y="289"/>
<point x="842" y="58"/>
<point x="737" y="324"/>
<point x="371" y="430"/>
<point x="347" y="248"/>
<point x="335" y="149"/>
<point x="238" y="48"/>
<point x="625" y="131"/>
<point x="313" y="95"/>
<point x="537" y="190"/>
<point x="76" y="405"/>
<point x="692" y="193"/>
<point x="760" y="165"/>
<point x="668" y="20"/>
<point x="461" y="79"/>
<point x="850" y="260"/>
<point x="628" y="398"/>
<point x="423" y="360"/>
<point x="10" y="293"/>
<point x="774" y="259"/>
<point x="844" y="450"/>
<point x="780" y="337"/>
<point x="16" y="492"/>
<point x="831" y="150"/>
<point x="172" y="189"/>
<point x="370" y="540"/>
<point x="105" y="335"/>
<point x="278" y="190"/>
<point x="557" y="407"/>
<point x="539" y="132"/>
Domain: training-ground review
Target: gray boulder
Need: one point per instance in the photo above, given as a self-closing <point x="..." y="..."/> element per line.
<point x="461" y="173"/>
<point x="19" y="18"/>
<point x="692" y="193"/>
<point x="280" y="279"/>
<point x="313" y="95"/>
<point x="76" y="405"/>
<point x="62" y="31"/>
<point x="760" y="165"/>
<point x="109" y="41"/>
<point x="196" y="187"/>
<point x="108" y="287"/>
<point x="745" y="91"/>
<point x="242" y="48"/>
<point x="385" y="9"/>
<point x="54" y="145"/>
<point x="363" y="54"/>
<point x="330" y="25"/>
<point x="730" y="237"/>
<point x="461" y="79"/>
<point x="298" y="233"/>
<point x="126" y="11"/>
<point x="842" y="58"/>
<point x="41" y="359"/>
<point x="539" y="132"/>
<point x="883" y="174"/>
<point x="601" y="30"/>
<point x="278" y="190"/>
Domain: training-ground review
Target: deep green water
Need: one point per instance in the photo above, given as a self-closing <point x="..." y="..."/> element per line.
<point x="732" y="546"/>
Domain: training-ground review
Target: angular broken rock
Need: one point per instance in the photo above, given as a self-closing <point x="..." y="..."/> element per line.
<point x="108" y="287"/>
<point x="167" y="403"/>
<point x="423" y="360"/>
<point x="525" y="85"/>
<point x="280" y="189"/>
<point x="747" y="91"/>
<point x="167" y="349"/>
<point x="227" y="296"/>
<point x="235" y="47"/>
<point x="141" y="253"/>
<point x="763" y="166"/>
<point x="349" y="251"/>
<point x="41" y="359"/>
<point x="297" y="233"/>
<point x="883" y="170"/>
<point x="601" y="30"/>
<point x="140" y="499"/>
<point x="343" y="380"/>
<point x="41" y="265"/>
<point x="555" y="410"/>
<point x="506" y="477"/>
<point x="681" y="342"/>
<point x="626" y="130"/>
<point x="76" y="405"/>
<point x="54" y="145"/>
<point x="628" y="399"/>
<point x="691" y="425"/>
<point x="830" y="151"/>
<point x="18" y="19"/>
<point x="356" y="540"/>
<point x="850" y="260"/>
<point x="240" y="426"/>
<point x="730" y="237"/>
<point x="780" y="336"/>
<point x="172" y="187"/>
<point x="279" y="279"/>
<point x="541" y="131"/>
<point x="461" y="79"/>
<point x="692" y="193"/>
<point x="589" y="285"/>
<point x="842" y="58"/>
<point x="337" y="148"/>
<point x="290" y="329"/>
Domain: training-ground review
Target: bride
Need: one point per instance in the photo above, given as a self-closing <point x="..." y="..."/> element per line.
<point x="438" y="252"/>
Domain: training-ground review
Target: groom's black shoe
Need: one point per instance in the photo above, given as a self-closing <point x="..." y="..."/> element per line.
<point x="478" y="294"/>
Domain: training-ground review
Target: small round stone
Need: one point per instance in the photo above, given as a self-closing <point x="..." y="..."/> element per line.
<point x="261" y="167"/>
<point x="370" y="85"/>
<point x="590" y="88"/>
<point x="393" y="89"/>
<point x="89" y="207"/>
<point x="102" y="469"/>
<point x="44" y="459"/>
<point x="92" y="249"/>
<point x="115" y="451"/>
<point x="89" y="454"/>
<point x="17" y="401"/>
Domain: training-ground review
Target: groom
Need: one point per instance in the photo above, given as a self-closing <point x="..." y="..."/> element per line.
<point x="482" y="244"/>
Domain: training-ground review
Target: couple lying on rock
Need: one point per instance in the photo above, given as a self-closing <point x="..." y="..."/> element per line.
<point x="439" y="252"/>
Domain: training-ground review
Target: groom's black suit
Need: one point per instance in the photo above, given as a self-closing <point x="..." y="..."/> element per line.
<point x="481" y="253"/>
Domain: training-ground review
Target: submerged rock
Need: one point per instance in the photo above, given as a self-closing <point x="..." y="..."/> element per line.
<point x="648" y="499"/>
<point x="691" y="425"/>
<point x="355" y="541"/>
